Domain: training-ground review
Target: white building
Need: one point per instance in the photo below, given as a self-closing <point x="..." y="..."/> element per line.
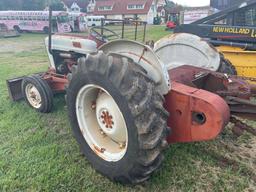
<point x="76" y="6"/>
<point x="144" y="10"/>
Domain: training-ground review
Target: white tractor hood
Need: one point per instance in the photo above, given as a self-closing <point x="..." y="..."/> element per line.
<point x="69" y="43"/>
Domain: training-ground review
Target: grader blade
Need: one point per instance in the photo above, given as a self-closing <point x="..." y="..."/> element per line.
<point x="14" y="88"/>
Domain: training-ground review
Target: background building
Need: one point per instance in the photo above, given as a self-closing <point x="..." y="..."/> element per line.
<point x="75" y="5"/>
<point x="145" y="10"/>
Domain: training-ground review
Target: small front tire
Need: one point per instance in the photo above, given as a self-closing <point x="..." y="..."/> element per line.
<point x="37" y="93"/>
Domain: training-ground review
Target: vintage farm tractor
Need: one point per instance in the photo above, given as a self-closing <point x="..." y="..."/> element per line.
<point x="126" y="102"/>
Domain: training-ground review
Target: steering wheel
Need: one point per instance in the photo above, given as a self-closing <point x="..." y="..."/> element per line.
<point x="101" y="37"/>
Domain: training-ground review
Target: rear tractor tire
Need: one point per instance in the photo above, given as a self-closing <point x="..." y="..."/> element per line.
<point x="226" y="66"/>
<point x="117" y="117"/>
<point x="37" y="93"/>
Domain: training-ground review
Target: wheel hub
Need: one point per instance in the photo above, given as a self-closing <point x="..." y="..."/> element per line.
<point x="33" y="96"/>
<point x="107" y="119"/>
<point x="102" y="123"/>
<point x="110" y="118"/>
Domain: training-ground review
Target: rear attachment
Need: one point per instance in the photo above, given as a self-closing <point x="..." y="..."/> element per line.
<point x="237" y="92"/>
<point x="14" y="88"/>
<point x="195" y="114"/>
<point x="56" y="82"/>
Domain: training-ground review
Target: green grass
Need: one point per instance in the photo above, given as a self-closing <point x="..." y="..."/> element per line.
<point x="39" y="153"/>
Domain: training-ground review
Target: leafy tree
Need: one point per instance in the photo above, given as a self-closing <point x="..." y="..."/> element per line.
<point x="30" y="4"/>
<point x="33" y="4"/>
<point x="11" y="5"/>
<point x="57" y="5"/>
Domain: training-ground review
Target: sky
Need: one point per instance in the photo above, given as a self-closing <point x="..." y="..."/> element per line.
<point x="193" y="3"/>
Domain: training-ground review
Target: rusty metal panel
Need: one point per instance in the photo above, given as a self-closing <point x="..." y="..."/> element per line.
<point x="234" y="90"/>
<point x="14" y="88"/>
<point x="195" y="115"/>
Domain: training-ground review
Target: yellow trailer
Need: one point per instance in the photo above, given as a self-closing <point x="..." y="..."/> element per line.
<point x="243" y="60"/>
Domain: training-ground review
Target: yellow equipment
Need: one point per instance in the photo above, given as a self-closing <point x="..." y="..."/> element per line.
<point x="244" y="61"/>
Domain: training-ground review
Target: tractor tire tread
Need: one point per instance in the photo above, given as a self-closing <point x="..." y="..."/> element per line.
<point x="226" y="66"/>
<point x="142" y="98"/>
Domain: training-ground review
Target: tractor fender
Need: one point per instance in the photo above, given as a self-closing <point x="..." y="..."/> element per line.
<point x="186" y="49"/>
<point x="144" y="56"/>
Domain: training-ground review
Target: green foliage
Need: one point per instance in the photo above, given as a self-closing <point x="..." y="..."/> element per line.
<point x="30" y="4"/>
<point x="57" y="5"/>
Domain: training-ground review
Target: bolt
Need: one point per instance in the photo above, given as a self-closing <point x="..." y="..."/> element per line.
<point x="102" y="133"/>
<point x="102" y="150"/>
<point x="93" y="106"/>
<point x="122" y="145"/>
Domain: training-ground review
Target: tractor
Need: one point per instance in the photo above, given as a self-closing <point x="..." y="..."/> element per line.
<point x="126" y="104"/>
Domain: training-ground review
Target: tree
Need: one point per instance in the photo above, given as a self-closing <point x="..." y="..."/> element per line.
<point x="57" y="5"/>
<point x="30" y="4"/>
<point x="11" y="5"/>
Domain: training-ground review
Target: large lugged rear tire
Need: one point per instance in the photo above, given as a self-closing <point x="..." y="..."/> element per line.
<point x="140" y="106"/>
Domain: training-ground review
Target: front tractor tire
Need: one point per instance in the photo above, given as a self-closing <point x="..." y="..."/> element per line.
<point x="117" y="117"/>
<point x="37" y="93"/>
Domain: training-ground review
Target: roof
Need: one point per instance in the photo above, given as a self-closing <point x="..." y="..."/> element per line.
<point x="81" y="3"/>
<point x="119" y="7"/>
<point x="160" y="8"/>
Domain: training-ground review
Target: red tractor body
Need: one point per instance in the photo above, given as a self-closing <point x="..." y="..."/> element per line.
<point x="195" y="115"/>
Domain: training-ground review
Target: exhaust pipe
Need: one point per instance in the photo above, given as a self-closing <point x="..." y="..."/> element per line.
<point x="50" y="31"/>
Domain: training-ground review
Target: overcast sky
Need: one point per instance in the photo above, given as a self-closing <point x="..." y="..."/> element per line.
<point x="193" y="3"/>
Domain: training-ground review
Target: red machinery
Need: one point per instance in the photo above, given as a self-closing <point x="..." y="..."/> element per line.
<point x="171" y="25"/>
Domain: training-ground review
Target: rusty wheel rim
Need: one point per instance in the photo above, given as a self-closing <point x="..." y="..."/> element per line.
<point x="101" y="123"/>
<point x="33" y="96"/>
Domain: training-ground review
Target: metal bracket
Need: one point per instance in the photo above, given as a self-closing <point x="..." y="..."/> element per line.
<point x="14" y="88"/>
